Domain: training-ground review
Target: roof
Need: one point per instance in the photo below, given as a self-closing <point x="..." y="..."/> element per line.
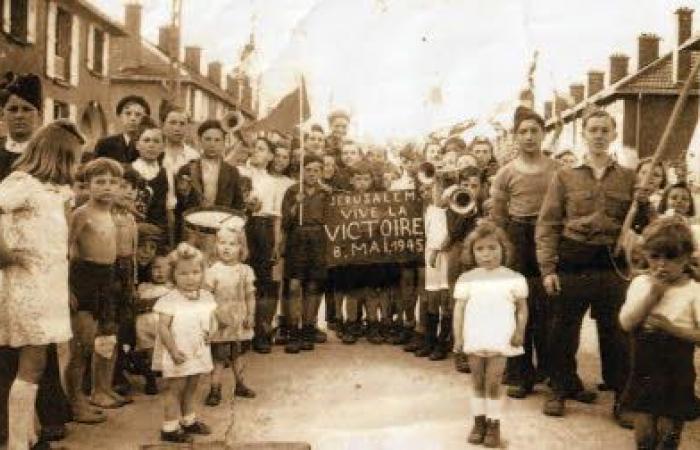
<point x="155" y="67"/>
<point x="112" y="26"/>
<point x="655" y="78"/>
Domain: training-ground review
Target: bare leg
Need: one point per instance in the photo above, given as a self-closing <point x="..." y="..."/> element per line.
<point x="187" y="399"/>
<point x="172" y="404"/>
<point x="669" y="433"/>
<point x="645" y="431"/>
<point x="22" y="398"/>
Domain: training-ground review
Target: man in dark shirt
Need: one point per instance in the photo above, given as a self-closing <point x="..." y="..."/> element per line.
<point x="122" y="147"/>
<point x="577" y="228"/>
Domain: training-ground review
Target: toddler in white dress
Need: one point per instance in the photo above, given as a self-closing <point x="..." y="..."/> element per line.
<point x="489" y="322"/>
<point x="182" y="351"/>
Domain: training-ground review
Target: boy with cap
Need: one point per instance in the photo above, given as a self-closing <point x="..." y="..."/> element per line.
<point x="122" y="146"/>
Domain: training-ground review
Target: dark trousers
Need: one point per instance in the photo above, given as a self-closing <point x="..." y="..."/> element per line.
<point x="588" y="279"/>
<point x="51" y="403"/>
<point x="521" y="370"/>
<point x="260" y="236"/>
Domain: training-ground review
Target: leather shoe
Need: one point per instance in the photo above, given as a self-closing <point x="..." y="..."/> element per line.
<point x="583" y="396"/>
<point x="554" y="406"/>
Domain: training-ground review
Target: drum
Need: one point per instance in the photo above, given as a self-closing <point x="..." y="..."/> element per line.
<point x="202" y="224"/>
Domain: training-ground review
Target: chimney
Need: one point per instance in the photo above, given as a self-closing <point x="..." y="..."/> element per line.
<point x="619" y="64"/>
<point x="648" y="49"/>
<point x="577" y="92"/>
<point x="230" y="84"/>
<point x="596" y="82"/>
<point x="132" y="18"/>
<point x="682" y="58"/>
<point x="560" y="104"/>
<point x="547" y="110"/>
<point x="169" y="41"/>
<point x="684" y="24"/>
<point x="131" y="44"/>
<point x="193" y="58"/>
<point x="214" y="72"/>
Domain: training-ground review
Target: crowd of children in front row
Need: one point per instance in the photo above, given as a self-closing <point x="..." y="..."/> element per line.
<point x="147" y="305"/>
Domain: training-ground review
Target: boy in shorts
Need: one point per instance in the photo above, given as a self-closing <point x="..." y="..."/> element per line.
<point x="93" y="243"/>
<point x="305" y="247"/>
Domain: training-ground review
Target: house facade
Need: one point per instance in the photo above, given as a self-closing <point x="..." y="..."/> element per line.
<point x="641" y="101"/>
<point x="67" y="44"/>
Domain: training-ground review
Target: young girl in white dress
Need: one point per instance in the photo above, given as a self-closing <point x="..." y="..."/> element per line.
<point x="232" y="283"/>
<point x="182" y="351"/>
<point x="489" y="323"/>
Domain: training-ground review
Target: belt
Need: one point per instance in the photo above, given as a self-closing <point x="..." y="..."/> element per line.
<point x="528" y="220"/>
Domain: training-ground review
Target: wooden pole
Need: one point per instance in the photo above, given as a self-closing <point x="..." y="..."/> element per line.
<point x="659" y="152"/>
<point x="301" y="143"/>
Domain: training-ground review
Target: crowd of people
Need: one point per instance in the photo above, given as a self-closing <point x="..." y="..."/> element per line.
<point x="104" y="279"/>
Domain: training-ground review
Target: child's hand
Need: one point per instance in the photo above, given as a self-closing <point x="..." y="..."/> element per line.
<point x="458" y="345"/>
<point x="300" y="197"/>
<point x="517" y="339"/>
<point x="432" y="258"/>
<point x="248" y="322"/>
<point x="73" y="302"/>
<point x="178" y="357"/>
<point x="659" y="322"/>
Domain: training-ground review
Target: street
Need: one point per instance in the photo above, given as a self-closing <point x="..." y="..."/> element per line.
<point x="372" y="397"/>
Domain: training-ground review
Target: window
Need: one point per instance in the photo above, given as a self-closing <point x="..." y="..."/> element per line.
<point x="97" y="50"/>
<point x="18" y="19"/>
<point x="61" y="110"/>
<point x="99" y="43"/>
<point x="62" y="44"/>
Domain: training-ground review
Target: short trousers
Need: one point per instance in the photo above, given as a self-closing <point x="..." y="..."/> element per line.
<point x="305" y="257"/>
<point x="93" y="285"/>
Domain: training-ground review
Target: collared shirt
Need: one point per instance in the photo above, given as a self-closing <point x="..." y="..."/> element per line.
<point x="264" y="189"/>
<point x="147" y="169"/>
<point x="172" y="163"/>
<point x="582" y="208"/>
<point x="13" y="146"/>
<point x="315" y="207"/>
<point x="210" y="179"/>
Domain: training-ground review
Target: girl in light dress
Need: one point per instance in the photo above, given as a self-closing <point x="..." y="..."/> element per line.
<point x="34" y="295"/>
<point x="232" y="283"/>
<point x="489" y="323"/>
<point x="662" y="313"/>
<point x="182" y="351"/>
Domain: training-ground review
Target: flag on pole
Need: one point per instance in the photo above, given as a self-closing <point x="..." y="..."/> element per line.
<point x="285" y="116"/>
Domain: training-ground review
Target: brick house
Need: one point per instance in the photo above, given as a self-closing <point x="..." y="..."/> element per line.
<point x="641" y="101"/>
<point x="151" y="71"/>
<point x="66" y="43"/>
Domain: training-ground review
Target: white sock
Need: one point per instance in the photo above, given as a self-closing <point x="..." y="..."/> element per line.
<point x="494" y="408"/>
<point x="20" y="408"/>
<point x="478" y="405"/>
<point x="171" y="425"/>
<point x="189" y="419"/>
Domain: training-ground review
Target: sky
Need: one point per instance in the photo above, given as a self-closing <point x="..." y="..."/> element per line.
<point x="406" y="67"/>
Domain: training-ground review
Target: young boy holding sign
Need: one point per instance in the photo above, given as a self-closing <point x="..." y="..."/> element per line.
<point x="364" y="283"/>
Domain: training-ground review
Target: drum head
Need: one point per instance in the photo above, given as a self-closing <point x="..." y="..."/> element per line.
<point x="210" y="220"/>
